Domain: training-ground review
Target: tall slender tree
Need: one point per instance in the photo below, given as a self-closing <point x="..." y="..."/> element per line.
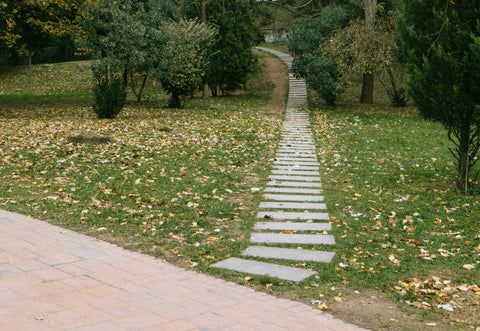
<point x="440" y="44"/>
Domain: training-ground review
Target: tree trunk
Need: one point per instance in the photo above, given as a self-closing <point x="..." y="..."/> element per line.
<point x="367" y="88"/>
<point x="175" y="101"/>
<point x="463" y="158"/>
<point x="125" y="78"/>
<point x="30" y="74"/>
<point x="370" y="8"/>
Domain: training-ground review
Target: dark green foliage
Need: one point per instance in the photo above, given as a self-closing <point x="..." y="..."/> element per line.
<point x="398" y="98"/>
<point x="440" y="44"/>
<point x="232" y="61"/>
<point x="320" y="74"/>
<point x="109" y="98"/>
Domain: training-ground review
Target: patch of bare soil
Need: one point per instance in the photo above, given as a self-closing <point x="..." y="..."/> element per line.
<point x="277" y="73"/>
<point x="375" y="311"/>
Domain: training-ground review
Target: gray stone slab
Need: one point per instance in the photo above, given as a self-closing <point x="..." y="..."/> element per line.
<point x="292" y="163"/>
<point x="296" y="158"/>
<point x="294" y="184"/>
<point x="315" y="179"/>
<point x="303" y="157"/>
<point x="295" y="173"/>
<point x="292" y="190"/>
<point x="293" y="226"/>
<point x="292" y="197"/>
<point x="289" y="254"/>
<point x="282" y="238"/>
<point x="292" y="205"/>
<point x="284" y="215"/>
<point x="295" y="167"/>
<point x="264" y="269"/>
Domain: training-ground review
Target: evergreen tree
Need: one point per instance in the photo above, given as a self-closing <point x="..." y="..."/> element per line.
<point x="232" y="61"/>
<point x="440" y="44"/>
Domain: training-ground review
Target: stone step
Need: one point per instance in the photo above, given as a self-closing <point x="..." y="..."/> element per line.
<point x="291" y="190"/>
<point x="294" y="184"/>
<point x="293" y="226"/>
<point x="296" y="178"/>
<point x="264" y="269"/>
<point x="295" y="167"/>
<point x="289" y="254"/>
<point x="292" y="205"/>
<point x="284" y="215"/>
<point x="293" y="163"/>
<point x="281" y="238"/>
<point x="295" y="173"/>
<point x="302" y="158"/>
<point x="290" y="197"/>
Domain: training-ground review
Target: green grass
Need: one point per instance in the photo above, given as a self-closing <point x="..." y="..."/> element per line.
<point x="177" y="184"/>
<point x="389" y="184"/>
<point x="173" y="183"/>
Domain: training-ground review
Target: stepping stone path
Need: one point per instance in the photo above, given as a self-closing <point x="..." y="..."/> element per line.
<point x="292" y="213"/>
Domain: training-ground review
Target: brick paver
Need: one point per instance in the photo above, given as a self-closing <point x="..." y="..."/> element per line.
<point x="55" y="279"/>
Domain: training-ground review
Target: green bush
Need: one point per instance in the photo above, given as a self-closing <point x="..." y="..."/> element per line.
<point x="109" y="98"/>
<point x="320" y="74"/>
<point x="398" y="98"/>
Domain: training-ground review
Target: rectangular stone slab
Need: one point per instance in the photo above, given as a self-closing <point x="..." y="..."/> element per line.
<point x="298" y="155"/>
<point x="285" y="215"/>
<point x="295" y="167"/>
<point x="293" y="205"/>
<point x="293" y="163"/>
<point x="281" y="238"/>
<point x="293" y="226"/>
<point x="292" y="190"/>
<point x="295" y="173"/>
<point x="291" y="197"/>
<point x="289" y="254"/>
<point x="294" y="184"/>
<point x="296" y="178"/>
<point x="295" y="159"/>
<point x="264" y="269"/>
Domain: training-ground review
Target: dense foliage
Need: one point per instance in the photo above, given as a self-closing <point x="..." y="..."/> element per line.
<point x="440" y="44"/>
<point x="319" y="72"/>
<point x="232" y="62"/>
<point x="184" y="59"/>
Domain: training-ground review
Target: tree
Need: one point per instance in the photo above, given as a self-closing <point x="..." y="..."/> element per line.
<point x="184" y="59"/>
<point x="319" y="72"/>
<point x="128" y="37"/>
<point x="440" y="45"/>
<point x="358" y="49"/>
<point x="232" y="62"/>
<point x="27" y="26"/>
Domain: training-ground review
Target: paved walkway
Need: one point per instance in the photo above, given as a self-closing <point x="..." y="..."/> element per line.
<point x="55" y="279"/>
<point x="292" y="213"/>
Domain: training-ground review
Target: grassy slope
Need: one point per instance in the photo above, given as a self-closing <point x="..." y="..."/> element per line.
<point x="171" y="183"/>
<point x="175" y="183"/>
<point x="389" y="184"/>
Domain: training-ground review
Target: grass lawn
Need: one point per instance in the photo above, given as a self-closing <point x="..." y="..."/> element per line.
<point x="401" y="226"/>
<point x="176" y="184"/>
<point x="172" y="183"/>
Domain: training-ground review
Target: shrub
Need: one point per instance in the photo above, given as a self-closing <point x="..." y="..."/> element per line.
<point x="185" y="58"/>
<point x="109" y="98"/>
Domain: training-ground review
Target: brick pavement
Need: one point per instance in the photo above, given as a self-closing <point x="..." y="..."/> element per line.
<point x="55" y="279"/>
